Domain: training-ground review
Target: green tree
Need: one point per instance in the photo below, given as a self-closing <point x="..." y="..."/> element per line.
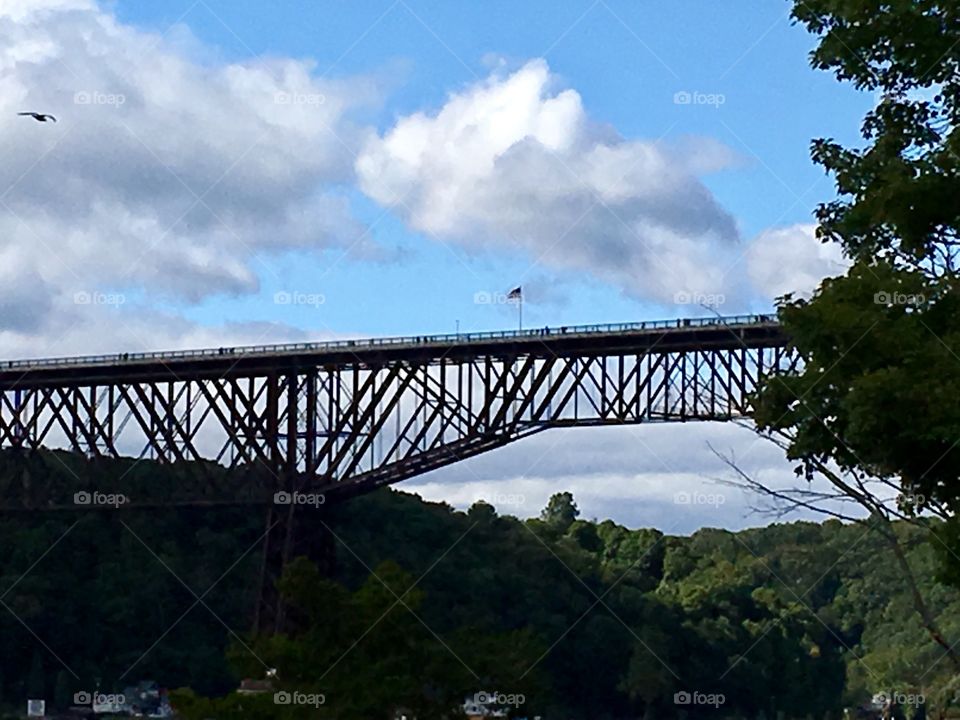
<point x="560" y="512"/>
<point x="63" y="691"/>
<point x="872" y="407"/>
<point x="649" y="680"/>
<point x="584" y="534"/>
<point x="36" y="680"/>
<point x="482" y="512"/>
<point x="879" y="345"/>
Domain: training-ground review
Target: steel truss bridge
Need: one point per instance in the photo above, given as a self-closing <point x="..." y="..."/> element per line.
<point x="340" y="418"/>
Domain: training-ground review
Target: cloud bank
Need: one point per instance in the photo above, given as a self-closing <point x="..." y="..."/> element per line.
<point x="509" y="164"/>
<point x="174" y="176"/>
<point x="162" y="175"/>
<point x="792" y="260"/>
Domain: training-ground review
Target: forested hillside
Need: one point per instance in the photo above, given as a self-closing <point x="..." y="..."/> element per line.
<point x="428" y="604"/>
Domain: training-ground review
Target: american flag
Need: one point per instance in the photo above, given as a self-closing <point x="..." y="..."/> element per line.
<point x="515" y="294"/>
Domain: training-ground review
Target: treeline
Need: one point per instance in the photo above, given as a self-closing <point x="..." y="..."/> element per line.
<point x="427" y="605"/>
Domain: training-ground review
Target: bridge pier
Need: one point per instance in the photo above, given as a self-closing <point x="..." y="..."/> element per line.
<point x="291" y="532"/>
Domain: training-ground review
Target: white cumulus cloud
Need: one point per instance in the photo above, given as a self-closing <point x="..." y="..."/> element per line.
<point x="792" y="260"/>
<point x="512" y="164"/>
<point x="163" y="174"/>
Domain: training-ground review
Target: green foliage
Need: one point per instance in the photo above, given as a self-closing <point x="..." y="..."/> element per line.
<point x="429" y="605"/>
<point x="560" y="511"/>
<point x="898" y="193"/>
<point x="876" y="393"/>
<point x="63" y="690"/>
<point x="36" y="680"/>
<point x="250" y="707"/>
<point x="880" y="345"/>
<point x="106" y="587"/>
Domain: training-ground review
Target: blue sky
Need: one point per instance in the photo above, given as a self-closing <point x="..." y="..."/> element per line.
<point x="626" y="60"/>
<point x="391" y="164"/>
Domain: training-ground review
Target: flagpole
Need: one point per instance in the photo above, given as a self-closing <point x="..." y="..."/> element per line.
<point x="517" y="295"/>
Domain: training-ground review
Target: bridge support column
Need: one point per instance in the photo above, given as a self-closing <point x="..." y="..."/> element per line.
<point x="292" y="532"/>
<point x="291" y="529"/>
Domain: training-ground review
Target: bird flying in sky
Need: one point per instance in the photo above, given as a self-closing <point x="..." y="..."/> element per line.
<point x="39" y="117"/>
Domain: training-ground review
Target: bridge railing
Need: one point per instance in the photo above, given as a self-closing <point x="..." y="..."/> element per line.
<point x="443" y="339"/>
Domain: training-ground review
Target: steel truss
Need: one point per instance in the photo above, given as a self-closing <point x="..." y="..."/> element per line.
<point x="331" y="424"/>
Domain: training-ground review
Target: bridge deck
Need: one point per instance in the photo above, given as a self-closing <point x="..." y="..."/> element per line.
<point x="661" y="335"/>
<point x="285" y="426"/>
